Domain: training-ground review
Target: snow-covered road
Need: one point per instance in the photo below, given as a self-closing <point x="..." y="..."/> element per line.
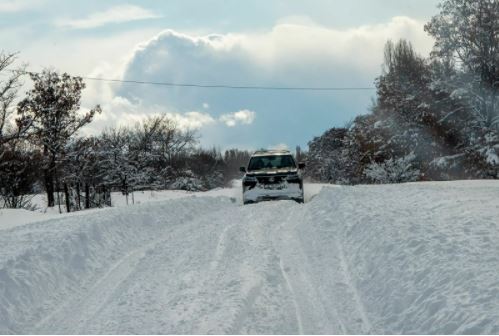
<point x="414" y="258"/>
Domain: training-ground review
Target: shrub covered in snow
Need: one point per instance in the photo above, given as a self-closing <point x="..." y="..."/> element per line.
<point x="393" y="170"/>
<point x="187" y="182"/>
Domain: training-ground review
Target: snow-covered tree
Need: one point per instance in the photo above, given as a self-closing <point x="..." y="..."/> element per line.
<point x="393" y="170"/>
<point x="83" y="172"/>
<point x="159" y="148"/>
<point x="10" y="82"/>
<point x="19" y="170"/>
<point x="120" y="168"/>
<point x="18" y="161"/>
<point x="233" y="160"/>
<point x="416" y="113"/>
<point x="208" y="165"/>
<point x="52" y="108"/>
<point x="467" y="34"/>
<point x="324" y="161"/>
<point x="467" y="31"/>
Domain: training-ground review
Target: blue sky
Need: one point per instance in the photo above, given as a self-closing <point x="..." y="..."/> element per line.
<point x="259" y="42"/>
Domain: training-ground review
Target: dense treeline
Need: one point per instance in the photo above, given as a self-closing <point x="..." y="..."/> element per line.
<point x="41" y="152"/>
<point x="435" y="118"/>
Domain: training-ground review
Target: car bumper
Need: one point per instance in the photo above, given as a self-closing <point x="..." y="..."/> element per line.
<point x="259" y="194"/>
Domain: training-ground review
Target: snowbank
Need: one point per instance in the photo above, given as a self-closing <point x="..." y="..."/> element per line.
<point x="43" y="264"/>
<point x="423" y="258"/>
<point x="10" y="218"/>
<point x="417" y="258"/>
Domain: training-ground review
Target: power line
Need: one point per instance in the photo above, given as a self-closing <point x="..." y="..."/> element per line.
<point x="233" y="87"/>
<point x="224" y="86"/>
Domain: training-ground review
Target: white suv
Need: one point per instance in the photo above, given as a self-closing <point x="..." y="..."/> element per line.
<point x="272" y="175"/>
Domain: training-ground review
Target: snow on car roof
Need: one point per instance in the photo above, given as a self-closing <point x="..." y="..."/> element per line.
<point x="271" y="152"/>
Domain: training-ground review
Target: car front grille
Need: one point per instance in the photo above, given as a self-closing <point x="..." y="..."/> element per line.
<point x="271" y="179"/>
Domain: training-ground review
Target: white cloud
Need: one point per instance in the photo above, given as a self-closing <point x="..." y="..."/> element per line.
<point x="306" y="47"/>
<point x="122" y="112"/>
<point x="11" y="6"/>
<point x="291" y="54"/>
<point x="294" y="52"/>
<point x="191" y="120"/>
<point x="117" y="14"/>
<point x="243" y="117"/>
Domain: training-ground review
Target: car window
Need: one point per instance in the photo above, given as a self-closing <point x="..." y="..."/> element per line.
<point x="271" y="162"/>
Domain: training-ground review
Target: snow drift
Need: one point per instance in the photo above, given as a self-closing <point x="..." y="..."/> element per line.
<point x="413" y="258"/>
<point x="43" y="265"/>
<point x="424" y="258"/>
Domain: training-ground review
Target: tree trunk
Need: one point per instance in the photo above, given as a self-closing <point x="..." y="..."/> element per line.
<point x="58" y="197"/>
<point x="87" y="196"/>
<point x="57" y="185"/>
<point x="78" y="197"/>
<point x="49" y="188"/>
<point x="66" y="196"/>
<point x="125" y="189"/>
<point x="48" y="173"/>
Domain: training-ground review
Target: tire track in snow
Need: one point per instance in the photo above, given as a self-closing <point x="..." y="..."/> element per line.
<point x="293" y="294"/>
<point x="339" y="270"/>
<point x="220" y="249"/>
<point x="244" y="253"/>
<point x="89" y="303"/>
<point x="314" y="313"/>
<point x="246" y="239"/>
<point x="245" y="260"/>
<point x="248" y="303"/>
<point x="74" y="316"/>
<point x="367" y="326"/>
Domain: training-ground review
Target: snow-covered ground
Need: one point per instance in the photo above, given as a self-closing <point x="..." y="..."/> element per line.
<point x="412" y="258"/>
<point x="10" y="218"/>
<point x="14" y="217"/>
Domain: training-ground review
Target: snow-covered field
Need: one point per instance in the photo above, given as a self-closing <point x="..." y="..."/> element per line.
<point x="412" y="258"/>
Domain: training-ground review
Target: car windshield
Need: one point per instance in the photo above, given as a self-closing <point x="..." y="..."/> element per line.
<point x="271" y="162"/>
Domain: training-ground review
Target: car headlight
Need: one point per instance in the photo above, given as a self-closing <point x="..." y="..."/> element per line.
<point x="293" y="178"/>
<point x="249" y="181"/>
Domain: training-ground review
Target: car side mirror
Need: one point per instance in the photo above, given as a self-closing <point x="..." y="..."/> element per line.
<point x="242" y="169"/>
<point x="301" y="165"/>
